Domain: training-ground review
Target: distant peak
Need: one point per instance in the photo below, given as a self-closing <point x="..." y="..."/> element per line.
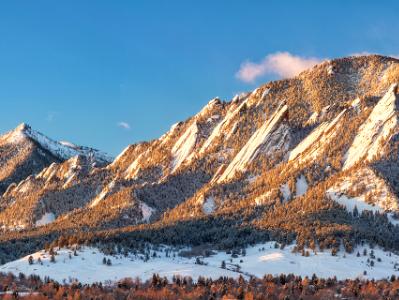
<point x="22" y="127"/>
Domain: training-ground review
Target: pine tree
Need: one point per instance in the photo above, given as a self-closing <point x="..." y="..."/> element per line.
<point x="223" y="266"/>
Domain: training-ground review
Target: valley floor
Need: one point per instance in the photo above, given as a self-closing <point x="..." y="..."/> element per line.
<point x="88" y="266"/>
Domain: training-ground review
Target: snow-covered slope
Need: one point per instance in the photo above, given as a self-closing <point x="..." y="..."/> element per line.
<point x="62" y="150"/>
<point x="365" y="191"/>
<point x="259" y="260"/>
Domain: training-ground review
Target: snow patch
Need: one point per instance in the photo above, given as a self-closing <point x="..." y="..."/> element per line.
<point x="301" y="185"/>
<point x="285" y="190"/>
<point x="47" y="218"/>
<point x="146" y="211"/>
<point x="208" y="206"/>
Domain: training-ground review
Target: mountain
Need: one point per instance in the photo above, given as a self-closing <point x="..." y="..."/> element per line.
<point x="310" y="161"/>
<point x="25" y="152"/>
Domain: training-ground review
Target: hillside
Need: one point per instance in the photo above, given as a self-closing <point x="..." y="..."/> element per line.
<point x="311" y="160"/>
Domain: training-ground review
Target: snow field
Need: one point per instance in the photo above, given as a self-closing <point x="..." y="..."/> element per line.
<point x="259" y="260"/>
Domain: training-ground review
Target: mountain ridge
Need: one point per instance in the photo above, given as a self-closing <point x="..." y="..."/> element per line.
<point x="269" y="164"/>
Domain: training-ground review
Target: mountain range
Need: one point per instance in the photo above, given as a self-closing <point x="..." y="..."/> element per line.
<point x="311" y="160"/>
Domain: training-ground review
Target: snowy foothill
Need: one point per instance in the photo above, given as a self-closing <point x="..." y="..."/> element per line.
<point x="268" y="258"/>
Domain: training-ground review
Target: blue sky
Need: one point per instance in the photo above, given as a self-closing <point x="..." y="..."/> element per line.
<point x="110" y="73"/>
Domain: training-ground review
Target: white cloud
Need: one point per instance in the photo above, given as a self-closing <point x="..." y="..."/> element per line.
<point x="124" y="125"/>
<point x="283" y="64"/>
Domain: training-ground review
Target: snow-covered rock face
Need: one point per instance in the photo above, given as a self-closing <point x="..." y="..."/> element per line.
<point x="271" y="136"/>
<point x="380" y="125"/>
<point x="310" y="147"/>
<point x="184" y="146"/>
<point x="222" y="127"/>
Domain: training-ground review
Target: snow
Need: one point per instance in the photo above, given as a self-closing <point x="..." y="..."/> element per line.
<point x="359" y="202"/>
<point x="45" y="219"/>
<point x="265" y="93"/>
<point x="48" y="172"/>
<point x="99" y="198"/>
<point x="378" y="126"/>
<point x="285" y="190"/>
<point x="68" y="144"/>
<point x="133" y="169"/>
<point x="223" y="124"/>
<point x="355" y="103"/>
<point x="147" y="211"/>
<point x="262" y="199"/>
<point x="301" y="185"/>
<point x="310" y="147"/>
<point x="259" y="260"/>
<point x="166" y="137"/>
<point x="267" y="133"/>
<point x="330" y="70"/>
<point x="104" y="192"/>
<point x="62" y="150"/>
<point x="116" y="160"/>
<point x="184" y="146"/>
<point x="361" y="184"/>
<point x="313" y="118"/>
<point x="208" y="206"/>
<point x="69" y="181"/>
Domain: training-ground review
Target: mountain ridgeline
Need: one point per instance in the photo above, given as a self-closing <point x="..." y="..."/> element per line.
<point x="311" y="159"/>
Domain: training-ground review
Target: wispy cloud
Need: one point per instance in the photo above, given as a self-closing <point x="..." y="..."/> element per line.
<point x="124" y="125"/>
<point x="50" y="116"/>
<point x="283" y="64"/>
